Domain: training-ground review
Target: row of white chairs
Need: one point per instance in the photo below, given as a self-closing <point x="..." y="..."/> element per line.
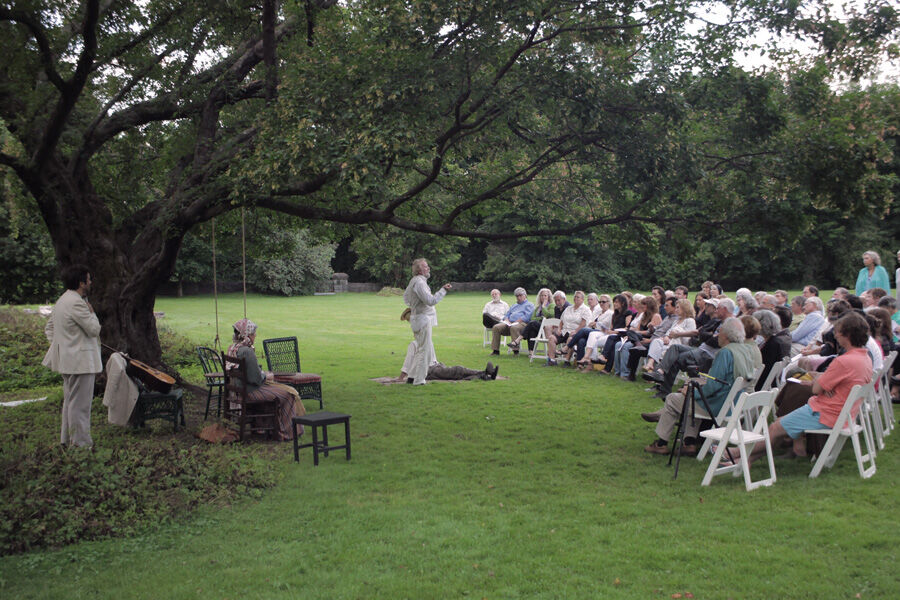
<point x="747" y="423"/>
<point x="745" y="418"/>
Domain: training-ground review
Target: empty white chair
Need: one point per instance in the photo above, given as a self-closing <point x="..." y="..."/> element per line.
<point x="541" y="338"/>
<point x="747" y="425"/>
<point x="845" y="427"/>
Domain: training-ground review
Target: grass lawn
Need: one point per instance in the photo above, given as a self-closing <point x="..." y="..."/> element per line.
<point x="534" y="487"/>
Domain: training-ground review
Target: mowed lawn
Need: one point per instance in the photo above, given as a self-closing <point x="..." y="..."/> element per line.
<point x="532" y="487"/>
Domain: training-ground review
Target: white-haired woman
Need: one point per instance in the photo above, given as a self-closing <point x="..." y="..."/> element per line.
<point x="872" y="275"/>
<point x="601" y="317"/>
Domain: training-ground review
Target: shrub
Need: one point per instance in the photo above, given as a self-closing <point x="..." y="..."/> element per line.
<point x="21" y="351"/>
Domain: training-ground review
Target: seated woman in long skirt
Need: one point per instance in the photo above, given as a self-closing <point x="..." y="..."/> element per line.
<point x="260" y="384"/>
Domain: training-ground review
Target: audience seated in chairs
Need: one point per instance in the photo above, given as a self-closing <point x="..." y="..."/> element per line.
<point x="494" y="310"/>
<point x="830" y="389"/>
<point x="620" y="319"/>
<point x="641" y="329"/>
<point x="683" y="322"/>
<point x="681" y="357"/>
<point x="601" y="316"/>
<point x="811" y="326"/>
<point x="640" y="350"/>
<point x="734" y="359"/>
<point x="514" y="321"/>
<point x="701" y="314"/>
<point x="745" y="301"/>
<point x="573" y="318"/>
<point x="659" y="294"/>
<point x="776" y="340"/>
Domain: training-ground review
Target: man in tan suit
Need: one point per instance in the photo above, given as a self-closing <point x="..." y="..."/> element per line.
<point x="74" y="333"/>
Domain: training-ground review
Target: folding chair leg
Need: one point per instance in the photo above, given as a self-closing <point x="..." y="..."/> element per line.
<point x="864" y="471"/>
<point x="828" y="454"/>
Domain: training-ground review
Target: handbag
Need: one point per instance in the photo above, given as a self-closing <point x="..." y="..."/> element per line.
<point x="634" y="337"/>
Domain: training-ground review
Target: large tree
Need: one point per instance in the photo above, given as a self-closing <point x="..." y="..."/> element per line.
<point x="131" y="123"/>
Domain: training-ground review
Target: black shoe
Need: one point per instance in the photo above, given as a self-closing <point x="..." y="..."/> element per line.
<point x="493" y="372"/>
<point x="650" y="417"/>
<point x="653" y="376"/>
<point x="515" y="352"/>
<point x="495" y="353"/>
<point x="409" y="380"/>
<point x="488" y="368"/>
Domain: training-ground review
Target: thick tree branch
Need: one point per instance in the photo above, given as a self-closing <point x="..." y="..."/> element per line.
<point x="71" y="89"/>
<point x="169" y="105"/>
<point x="46" y="54"/>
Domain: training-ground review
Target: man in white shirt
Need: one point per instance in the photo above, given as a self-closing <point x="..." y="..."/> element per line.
<point x="73" y="331"/>
<point x="422" y="318"/>
<point x="494" y="311"/>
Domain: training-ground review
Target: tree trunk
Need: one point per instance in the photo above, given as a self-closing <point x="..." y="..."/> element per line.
<point x="128" y="262"/>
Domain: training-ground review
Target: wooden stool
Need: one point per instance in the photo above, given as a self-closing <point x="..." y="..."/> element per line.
<point x="321" y="419"/>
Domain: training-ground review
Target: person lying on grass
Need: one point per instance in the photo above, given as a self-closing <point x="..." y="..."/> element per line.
<point x="440" y="371"/>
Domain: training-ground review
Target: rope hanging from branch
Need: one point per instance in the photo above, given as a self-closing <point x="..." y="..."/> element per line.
<point x="216" y="343"/>
<point x="244" y="260"/>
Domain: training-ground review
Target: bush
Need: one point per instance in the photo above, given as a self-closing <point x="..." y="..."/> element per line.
<point x="295" y="269"/>
<point x="177" y="350"/>
<point x="131" y="481"/>
<point x="115" y="491"/>
<point x="23" y="348"/>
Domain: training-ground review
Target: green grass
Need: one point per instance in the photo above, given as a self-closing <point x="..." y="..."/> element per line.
<point x="532" y="487"/>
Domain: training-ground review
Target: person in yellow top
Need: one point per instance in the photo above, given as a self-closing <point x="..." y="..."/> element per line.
<point x="74" y="334"/>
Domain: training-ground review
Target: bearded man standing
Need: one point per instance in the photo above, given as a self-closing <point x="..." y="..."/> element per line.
<point x="422" y="318"/>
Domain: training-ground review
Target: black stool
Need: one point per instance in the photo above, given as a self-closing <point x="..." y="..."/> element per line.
<point x="156" y="405"/>
<point x="321" y="419"/>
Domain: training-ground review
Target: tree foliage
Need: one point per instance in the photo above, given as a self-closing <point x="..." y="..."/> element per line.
<point x="136" y="122"/>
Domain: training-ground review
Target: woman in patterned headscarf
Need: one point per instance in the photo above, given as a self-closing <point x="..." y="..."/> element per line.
<point x="260" y="384"/>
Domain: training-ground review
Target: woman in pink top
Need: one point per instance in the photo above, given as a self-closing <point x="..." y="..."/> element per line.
<point x="830" y="389"/>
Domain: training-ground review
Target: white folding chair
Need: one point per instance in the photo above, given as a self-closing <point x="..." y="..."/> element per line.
<point x="747" y="425"/>
<point x="884" y="393"/>
<point x="738" y="387"/>
<point x="871" y="414"/>
<point x="845" y="427"/>
<point x="541" y="338"/>
<point x="774" y="376"/>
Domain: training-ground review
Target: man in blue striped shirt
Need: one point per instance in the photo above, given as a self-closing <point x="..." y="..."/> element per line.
<point x="514" y="321"/>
